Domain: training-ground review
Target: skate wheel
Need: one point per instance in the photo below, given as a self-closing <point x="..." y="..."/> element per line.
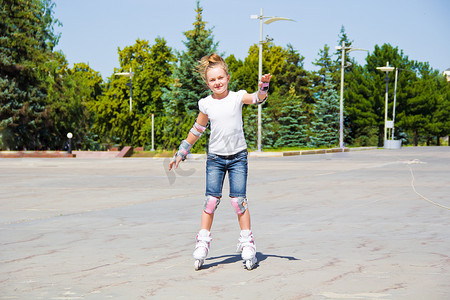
<point x="248" y="265"/>
<point x="198" y="264"/>
<point x="251" y="263"/>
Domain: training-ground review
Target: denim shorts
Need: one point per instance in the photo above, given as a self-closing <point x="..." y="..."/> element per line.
<point x="216" y="168"/>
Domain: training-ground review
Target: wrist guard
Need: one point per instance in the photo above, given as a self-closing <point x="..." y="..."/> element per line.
<point x="256" y="99"/>
<point x="183" y="151"/>
<point x="264" y="88"/>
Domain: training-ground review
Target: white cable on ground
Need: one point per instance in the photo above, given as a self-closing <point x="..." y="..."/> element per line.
<point x="414" y="188"/>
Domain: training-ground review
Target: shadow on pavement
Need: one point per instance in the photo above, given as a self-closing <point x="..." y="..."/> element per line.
<point x="233" y="258"/>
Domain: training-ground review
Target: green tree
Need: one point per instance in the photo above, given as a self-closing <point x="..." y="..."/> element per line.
<point x="421" y="116"/>
<point x="293" y="75"/>
<point x="289" y="76"/>
<point x="349" y="62"/>
<point x="325" y="64"/>
<point x="360" y="127"/>
<point x="152" y="66"/>
<point x="157" y="78"/>
<point x="285" y="65"/>
<point x="68" y="92"/>
<point x="26" y="44"/>
<point x="187" y="87"/>
<point x="443" y="112"/>
<point x="373" y="87"/>
<point x="293" y="128"/>
<point x="342" y="37"/>
<point x="85" y="88"/>
<point x="430" y="82"/>
<point x="244" y="74"/>
<point x="325" y="126"/>
<point x="233" y="65"/>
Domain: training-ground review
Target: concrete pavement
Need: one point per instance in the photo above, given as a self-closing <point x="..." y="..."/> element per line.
<point x="350" y="225"/>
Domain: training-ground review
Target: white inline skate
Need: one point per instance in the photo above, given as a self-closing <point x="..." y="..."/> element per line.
<point x="201" y="248"/>
<point x="247" y="248"/>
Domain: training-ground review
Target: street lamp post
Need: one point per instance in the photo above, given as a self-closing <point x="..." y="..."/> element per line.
<point x="128" y="74"/>
<point x="268" y="20"/>
<point x="341" y="101"/>
<point x="386" y="69"/>
<point x="153" y="132"/>
<point x="395" y="100"/>
<point x="69" y="147"/>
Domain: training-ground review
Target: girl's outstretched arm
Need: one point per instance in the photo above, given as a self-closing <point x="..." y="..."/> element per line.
<point x="261" y="95"/>
<point x="193" y="136"/>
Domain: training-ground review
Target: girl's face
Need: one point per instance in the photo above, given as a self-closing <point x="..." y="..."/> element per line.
<point x="217" y="80"/>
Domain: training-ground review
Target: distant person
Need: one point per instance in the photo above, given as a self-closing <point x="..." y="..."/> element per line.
<point x="227" y="152"/>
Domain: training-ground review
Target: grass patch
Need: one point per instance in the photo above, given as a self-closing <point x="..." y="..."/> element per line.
<point x="169" y="153"/>
<point x="157" y="153"/>
<point x="283" y="149"/>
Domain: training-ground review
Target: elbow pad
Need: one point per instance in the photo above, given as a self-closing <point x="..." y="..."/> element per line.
<point x="197" y="129"/>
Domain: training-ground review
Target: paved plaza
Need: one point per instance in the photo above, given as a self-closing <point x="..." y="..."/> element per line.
<point x="369" y="224"/>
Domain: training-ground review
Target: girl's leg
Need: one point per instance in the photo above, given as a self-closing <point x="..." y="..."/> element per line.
<point x="244" y="220"/>
<point x="237" y="175"/>
<point x="237" y="172"/>
<point x="215" y="175"/>
<point x="206" y="221"/>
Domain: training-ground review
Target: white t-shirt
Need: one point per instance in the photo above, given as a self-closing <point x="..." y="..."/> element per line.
<point x="225" y="117"/>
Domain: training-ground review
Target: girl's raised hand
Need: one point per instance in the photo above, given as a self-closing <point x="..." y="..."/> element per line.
<point x="266" y="77"/>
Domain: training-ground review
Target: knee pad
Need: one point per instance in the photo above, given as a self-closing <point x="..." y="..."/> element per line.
<point x="211" y="204"/>
<point x="239" y="204"/>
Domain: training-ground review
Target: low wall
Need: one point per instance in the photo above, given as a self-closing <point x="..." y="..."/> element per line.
<point x="125" y="152"/>
<point x="43" y="154"/>
<point x="96" y="154"/>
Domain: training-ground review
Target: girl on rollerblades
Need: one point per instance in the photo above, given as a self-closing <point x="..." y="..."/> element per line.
<point x="227" y="153"/>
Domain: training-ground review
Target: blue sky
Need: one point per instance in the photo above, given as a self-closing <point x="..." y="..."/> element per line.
<point x="93" y="30"/>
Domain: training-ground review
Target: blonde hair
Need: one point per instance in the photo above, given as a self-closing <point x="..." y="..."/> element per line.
<point x="208" y="62"/>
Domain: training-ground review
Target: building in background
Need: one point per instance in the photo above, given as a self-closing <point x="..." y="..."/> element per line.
<point x="447" y="74"/>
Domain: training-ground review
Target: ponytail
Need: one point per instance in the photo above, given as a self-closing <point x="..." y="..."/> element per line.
<point x="208" y="62"/>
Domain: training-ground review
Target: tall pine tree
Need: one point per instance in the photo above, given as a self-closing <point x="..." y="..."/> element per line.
<point x="26" y="44"/>
<point x="181" y="99"/>
<point x="325" y="127"/>
<point x="374" y="87"/>
<point x="293" y="129"/>
<point x="326" y="65"/>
